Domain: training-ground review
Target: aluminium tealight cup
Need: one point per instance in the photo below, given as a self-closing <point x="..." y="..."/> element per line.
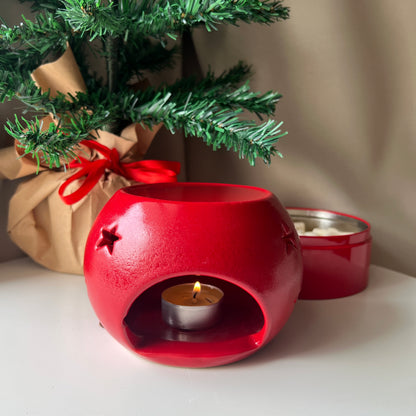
<point x="192" y="318"/>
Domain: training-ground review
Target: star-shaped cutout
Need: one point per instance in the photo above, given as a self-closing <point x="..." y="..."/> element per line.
<point x="108" y="238"/>
<point x="288" y="236"/>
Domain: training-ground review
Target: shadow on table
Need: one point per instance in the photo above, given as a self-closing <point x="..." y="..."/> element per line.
<point x="326" y="327"/>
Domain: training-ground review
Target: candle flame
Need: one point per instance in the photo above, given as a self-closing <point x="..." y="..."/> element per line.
<point x="196" y="290"/>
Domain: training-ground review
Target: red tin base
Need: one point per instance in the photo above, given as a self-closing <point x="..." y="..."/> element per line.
<point x="149" y="237"/>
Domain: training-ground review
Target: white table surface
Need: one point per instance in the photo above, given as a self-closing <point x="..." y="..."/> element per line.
<point x="350" y="356"/>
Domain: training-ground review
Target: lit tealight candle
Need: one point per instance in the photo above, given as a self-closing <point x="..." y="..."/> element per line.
<point x="191" y="306"/>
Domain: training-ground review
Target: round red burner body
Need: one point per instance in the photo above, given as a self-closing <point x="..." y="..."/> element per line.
<point x="150" y="237"/>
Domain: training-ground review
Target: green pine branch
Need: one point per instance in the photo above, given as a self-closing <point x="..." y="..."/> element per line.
<point x="165" y="18"/>
<point x="26" y="46"/>
<point x="15" y="85"/>
<point x="218" y="127"/>
<point x="226" y="91"/>
<point x="229" y="79"/>
<point x="53" y="145"/>
<point x="210" y="109"/>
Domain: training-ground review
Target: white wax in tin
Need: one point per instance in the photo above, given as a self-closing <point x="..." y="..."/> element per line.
<point x="317" y="231"/>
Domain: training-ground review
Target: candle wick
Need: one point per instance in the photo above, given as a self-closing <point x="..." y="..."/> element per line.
<point x="194" y="294"/>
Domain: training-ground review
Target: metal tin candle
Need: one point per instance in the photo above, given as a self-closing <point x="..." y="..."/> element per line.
<point x="191" y="306"/>
<point x="336" y="249"/>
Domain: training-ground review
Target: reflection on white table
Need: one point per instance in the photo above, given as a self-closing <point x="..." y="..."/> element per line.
<point x="350" y="356"/>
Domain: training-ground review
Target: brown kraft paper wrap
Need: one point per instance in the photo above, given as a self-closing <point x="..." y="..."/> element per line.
<point x="52" y="233"/>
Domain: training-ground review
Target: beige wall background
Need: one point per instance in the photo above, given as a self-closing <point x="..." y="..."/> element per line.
<point x="347" y="70"/>
<point x="11" y="12"/>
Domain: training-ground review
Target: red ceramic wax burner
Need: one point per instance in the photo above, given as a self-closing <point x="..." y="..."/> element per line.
<point x="150" y="237"/>
<point x="334" y="266"/>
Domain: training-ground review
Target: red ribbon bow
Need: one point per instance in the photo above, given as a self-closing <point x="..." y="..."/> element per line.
<point x="147" y="171"/>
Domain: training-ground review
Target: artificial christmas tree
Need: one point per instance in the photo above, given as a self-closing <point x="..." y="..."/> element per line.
<point x="46" y="64"/>
<point x="133" y="36"/>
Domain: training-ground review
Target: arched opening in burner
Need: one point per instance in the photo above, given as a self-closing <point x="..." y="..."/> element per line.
<point x="239" y="329"/>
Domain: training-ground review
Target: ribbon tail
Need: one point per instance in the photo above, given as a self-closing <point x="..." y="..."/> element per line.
<point x="92" y="176"/>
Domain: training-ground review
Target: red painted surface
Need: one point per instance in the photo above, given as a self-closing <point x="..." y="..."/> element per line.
<point x="149" y="237"/>
<point x="335" y="266"/>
